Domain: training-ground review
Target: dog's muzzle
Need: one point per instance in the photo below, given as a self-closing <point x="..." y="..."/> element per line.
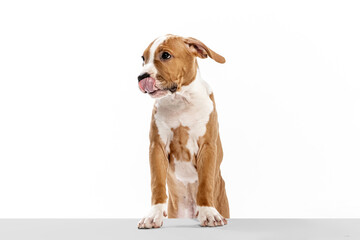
<point x="147" y="83"/>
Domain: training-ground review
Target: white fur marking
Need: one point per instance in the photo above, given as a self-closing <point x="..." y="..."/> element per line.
<point x="154" y="46"/>
<point x="208" y="88"/>
<point x="208" y="215"/>
<point x="185" y="171"/>
<point x="149" y="67"/>
<point x="191" y="107"/>
<point x="186" y="209"/>
<point x="155" y="216"/>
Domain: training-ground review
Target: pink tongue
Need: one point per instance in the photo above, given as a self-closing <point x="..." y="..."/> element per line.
<point x="147" y="85"/>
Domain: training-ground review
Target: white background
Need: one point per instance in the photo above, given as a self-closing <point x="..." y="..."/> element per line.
<point x="74" y="126"/>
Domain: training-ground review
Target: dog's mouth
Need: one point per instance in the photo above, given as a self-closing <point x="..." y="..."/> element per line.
<point x="148" y="85"/>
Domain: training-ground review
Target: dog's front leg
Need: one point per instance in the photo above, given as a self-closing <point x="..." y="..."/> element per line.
<point x="206" y="167"/>
<point x="158" y="167"/>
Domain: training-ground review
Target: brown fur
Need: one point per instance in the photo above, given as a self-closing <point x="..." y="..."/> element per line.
<point x="178" y="144"/>
<point x="158" y="165"/>
<point x="212" y="186"/>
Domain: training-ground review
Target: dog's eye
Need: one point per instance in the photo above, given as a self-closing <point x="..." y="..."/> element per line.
<point x="143" y="58"/>
<point x="165" y="55"/>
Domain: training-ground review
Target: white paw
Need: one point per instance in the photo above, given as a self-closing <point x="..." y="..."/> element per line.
<point x="210" y="217"/>
<point x="154" y="219"/>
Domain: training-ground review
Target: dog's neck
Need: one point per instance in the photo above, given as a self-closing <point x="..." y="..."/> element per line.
<point x="189" y="95"/>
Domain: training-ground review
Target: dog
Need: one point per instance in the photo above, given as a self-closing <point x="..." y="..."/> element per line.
<point x="185" y="149"/>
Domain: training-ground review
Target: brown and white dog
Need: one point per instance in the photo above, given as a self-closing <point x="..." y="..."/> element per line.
<point x="185" y="146"/>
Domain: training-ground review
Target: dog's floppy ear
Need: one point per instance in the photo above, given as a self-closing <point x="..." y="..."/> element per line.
<point x="202" y="51"/>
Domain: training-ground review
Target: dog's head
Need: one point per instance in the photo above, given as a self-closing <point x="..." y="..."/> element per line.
<point x="169" y="63"/>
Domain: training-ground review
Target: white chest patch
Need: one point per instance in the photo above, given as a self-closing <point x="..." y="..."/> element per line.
<point x="191" y="107"/>
<point x="185" y="172"/>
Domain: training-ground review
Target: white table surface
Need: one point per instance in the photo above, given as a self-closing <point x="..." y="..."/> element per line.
<point x="244" y="229"/>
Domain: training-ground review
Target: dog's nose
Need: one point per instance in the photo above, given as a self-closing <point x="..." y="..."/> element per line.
<point x="142" y="76"/>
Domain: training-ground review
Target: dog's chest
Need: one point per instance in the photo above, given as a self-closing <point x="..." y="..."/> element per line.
<point x="180" y="128"/>
<point x="191" y="115"/>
